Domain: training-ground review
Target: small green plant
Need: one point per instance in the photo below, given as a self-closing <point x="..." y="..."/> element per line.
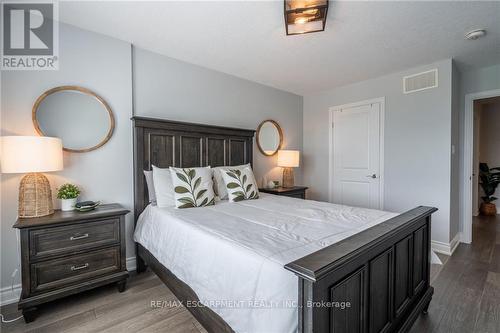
<point x="68" y="191"/>
<point x="490" y="178"/>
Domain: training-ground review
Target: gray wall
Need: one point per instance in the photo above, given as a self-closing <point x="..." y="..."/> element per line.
<point x="93" y="61"/>
<point x="473" y="81"/>
<point x="172" y="89"/>
<point x="165" y="88"/>
<point x="417" y="142"/>
<point x="481" y="79"/>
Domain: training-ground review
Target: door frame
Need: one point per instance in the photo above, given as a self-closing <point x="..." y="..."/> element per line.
<point x="337" y="108"/>
<point x="468" y="161"/>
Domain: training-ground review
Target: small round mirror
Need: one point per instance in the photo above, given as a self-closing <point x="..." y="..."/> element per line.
<point x="79" y="117"/>
<point x="269" y="137"/>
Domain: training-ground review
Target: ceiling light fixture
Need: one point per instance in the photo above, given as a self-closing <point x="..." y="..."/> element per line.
<point x="304" y="16"/>
<point x="475" y="34"/>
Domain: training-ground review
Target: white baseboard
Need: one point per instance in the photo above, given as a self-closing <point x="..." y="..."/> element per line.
<point x="10" y="295"/>
<point x="131" y="264"/>
<point x="455" y="242"/>
<point x="446" y="248"/>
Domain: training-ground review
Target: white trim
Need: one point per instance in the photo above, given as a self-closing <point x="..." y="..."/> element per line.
<point x="455" y="242"/>
<point x="447" y="248"/>
<point x="131" y="263"/>
<point x="330" y="154"/>
<point x="435" y="258"/>
<point x="9" y="295"/>
<point x="468" y="162"/>
<point x="333" y="109"/>
<point x="382" y="151"/>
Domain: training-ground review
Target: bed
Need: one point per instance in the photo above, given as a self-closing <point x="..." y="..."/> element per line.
<point x="241" y="260"/>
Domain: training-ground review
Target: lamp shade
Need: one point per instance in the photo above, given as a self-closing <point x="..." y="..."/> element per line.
<point x="24" y="154"/>
<point x="288" y="158"/>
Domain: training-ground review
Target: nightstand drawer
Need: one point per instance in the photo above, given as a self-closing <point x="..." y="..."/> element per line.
<point x="293" y="192"/>
<point x="65" y="239"/>
<point x="56" y="273"/>
<point x="300" y="195"/>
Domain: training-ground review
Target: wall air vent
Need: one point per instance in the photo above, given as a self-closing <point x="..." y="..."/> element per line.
<point x="420" y="81"/>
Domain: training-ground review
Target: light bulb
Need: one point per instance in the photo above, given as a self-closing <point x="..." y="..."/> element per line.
<point x="301" y="20"/>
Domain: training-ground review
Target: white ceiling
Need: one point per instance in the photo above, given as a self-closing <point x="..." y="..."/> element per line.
<point x="247" y="39"/>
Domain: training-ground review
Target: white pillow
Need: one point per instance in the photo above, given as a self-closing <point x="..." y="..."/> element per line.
<point x="240" y="184"/>
<point x="219" y="186"/>
<point x="163" y="187"/>
<point x="193" y="187"/>
<point x="151" y="186"/>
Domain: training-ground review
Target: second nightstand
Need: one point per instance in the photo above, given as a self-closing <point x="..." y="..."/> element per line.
<point x="294" y="192"/>
<point x="68" y="252"/>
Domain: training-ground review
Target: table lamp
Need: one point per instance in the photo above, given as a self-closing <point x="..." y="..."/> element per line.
<point x="288" y="159"/>
<point x="32" y="155"/>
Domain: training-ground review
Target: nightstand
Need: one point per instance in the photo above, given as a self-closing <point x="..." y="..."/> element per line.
<point x="69" y="252"/>
<point x="295" y="191"/>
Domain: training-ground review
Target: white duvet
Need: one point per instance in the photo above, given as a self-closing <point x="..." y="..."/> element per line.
<point x="232" y="254"/>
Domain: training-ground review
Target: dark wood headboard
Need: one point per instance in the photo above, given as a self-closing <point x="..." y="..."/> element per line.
<point x="166" y="143"/>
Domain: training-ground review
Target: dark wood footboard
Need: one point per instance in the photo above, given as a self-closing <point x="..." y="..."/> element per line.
<point x="374" y="281"/>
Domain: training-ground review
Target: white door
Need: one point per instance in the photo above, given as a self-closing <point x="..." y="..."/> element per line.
<point x="356" y="156"/>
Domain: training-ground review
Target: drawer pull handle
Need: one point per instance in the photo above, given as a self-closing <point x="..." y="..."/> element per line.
<point x="77" y="268"/>
<point x="79" y="237"/>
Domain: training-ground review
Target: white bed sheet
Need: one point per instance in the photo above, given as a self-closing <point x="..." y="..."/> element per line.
<point x="232" y="254"/>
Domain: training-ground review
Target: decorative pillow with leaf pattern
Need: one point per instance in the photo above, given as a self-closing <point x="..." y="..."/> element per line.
<point x="193" y="187"/>
<point x="240" y="184"/>
<point x="219" y="186"/>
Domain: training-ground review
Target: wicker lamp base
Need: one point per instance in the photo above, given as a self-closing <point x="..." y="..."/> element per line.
<point x="35" y="196"/>
<point x="288" y="178"/>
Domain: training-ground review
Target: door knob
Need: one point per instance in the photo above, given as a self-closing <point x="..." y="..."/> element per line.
<point x="372" y="176"/>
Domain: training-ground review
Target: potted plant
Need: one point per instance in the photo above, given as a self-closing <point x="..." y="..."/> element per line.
<point x="68" y="193"/>
<point x="489" y="180"/>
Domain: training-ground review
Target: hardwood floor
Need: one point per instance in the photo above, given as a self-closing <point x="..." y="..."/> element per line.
<point x="467" y="286"/>
<point x="466" y="299"/>
<point x="106" y="310"/>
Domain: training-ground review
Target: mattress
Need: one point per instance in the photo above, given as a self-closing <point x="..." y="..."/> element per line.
<point x="232" y="254"/>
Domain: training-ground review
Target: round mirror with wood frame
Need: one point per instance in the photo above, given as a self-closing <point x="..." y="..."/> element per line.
<point x="78" y="116"/>
<point x="269" y="137"/>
